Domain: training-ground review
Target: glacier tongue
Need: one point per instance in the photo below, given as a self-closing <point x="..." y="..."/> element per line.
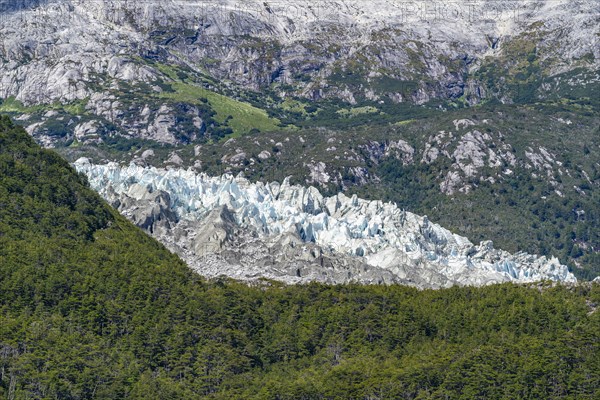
<point x="230" y="226"/>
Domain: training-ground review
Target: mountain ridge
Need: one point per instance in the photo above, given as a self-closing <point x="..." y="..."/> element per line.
<point x="109" y="58"/>
<point x="199" y="84"/>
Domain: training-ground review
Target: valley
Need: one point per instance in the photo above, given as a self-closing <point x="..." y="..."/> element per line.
<point x="486" y="110"/>
<point x="332" y="199"/>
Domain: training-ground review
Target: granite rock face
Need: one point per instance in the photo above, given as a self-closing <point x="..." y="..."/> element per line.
<point x="107" y="55"/>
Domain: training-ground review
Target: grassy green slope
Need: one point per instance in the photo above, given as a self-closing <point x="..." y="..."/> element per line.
<point x="240" y="116"/>
<point x="90" y="307"/>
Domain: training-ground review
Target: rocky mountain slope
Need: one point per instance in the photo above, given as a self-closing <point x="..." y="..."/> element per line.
<point x="140" y="69"/>
<point x="294" y="234"/>
<point x="487" y="110"/>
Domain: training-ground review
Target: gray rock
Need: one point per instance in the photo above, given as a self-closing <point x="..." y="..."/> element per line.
<point x="71" y="50"/>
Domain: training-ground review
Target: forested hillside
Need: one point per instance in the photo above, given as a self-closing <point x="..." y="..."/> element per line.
<point x="90" y="307"/>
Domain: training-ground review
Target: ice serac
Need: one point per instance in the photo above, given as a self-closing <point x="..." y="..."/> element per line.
<point x="229" y="226"/>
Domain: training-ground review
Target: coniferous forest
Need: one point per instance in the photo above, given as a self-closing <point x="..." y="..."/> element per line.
<point x="92" y="308"/>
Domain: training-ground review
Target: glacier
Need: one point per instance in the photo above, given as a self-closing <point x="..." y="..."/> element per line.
<point x="230" y="226"/>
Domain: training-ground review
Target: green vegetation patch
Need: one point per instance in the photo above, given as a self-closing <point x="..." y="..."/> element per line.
<point x="351" y="112"/>
<point x="11" y="105"/>
<point x="240" y="116"/>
